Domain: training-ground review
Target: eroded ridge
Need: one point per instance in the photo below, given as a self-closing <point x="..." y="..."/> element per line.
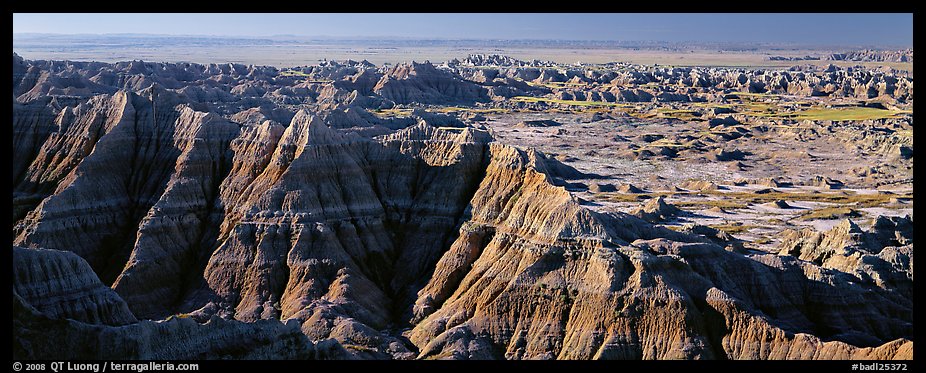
<point x="330" y="232"/>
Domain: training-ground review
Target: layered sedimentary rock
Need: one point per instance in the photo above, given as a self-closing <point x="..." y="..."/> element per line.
<point x="62" y="311"/>
<point x="429" y="241"/>
<point x="32" y="124"/>
<point x="655" y="210"/>
<point x="423" y="83"/>
<point x="905" y="55"/>
<point x="611" y="289"/>
<point x="150" y="166"/>
<point x="61" y="285"/>
<point x="882" y="256"/>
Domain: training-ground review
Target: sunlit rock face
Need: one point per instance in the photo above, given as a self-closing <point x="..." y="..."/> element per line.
<point x="253" y="232"/>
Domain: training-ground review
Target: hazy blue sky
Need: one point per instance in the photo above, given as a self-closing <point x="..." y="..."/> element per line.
<point x="854" y="29"/>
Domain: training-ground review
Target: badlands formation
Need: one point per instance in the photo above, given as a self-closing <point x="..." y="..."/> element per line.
<point x="484" y="208"/>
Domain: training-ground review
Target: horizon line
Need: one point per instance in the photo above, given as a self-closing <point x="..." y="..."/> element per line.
<point x="422" y="38"/>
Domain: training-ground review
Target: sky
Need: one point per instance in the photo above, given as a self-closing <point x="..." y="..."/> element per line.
<point x="878" y="29"/>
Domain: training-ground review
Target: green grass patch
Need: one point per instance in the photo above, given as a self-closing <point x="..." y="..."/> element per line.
<point x="682" y="114"/>
<point x="753" y="95"/>
<point x="458" y="109"/>
<point x="733" y="228"/>
<point x="178" y="316"/>
<point x="846" y="114"/>
<point x="555" y="85"/>
<point x="840" y="198"/>
<point x="360" y="348"/>
<point x="292" y="73"/>
<point x="621" y="197"/>
<point x="757" y="104"/>
<point x="759" y="109"/>
<point x="727" y="204"/>
<point x="663" y="143"/>
<point x="392" y="112"/>
<point x="762" y="241"/>
<point x="298" y="73"/>
<point x="712" y="105"/>
<point x="675" y="111"/>
<point x="569" y="102"/>
<point x="829" y="213"/>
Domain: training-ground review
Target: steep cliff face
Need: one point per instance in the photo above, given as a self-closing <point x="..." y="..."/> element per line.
<point x="262" y="221"/>
<point x="134" y="165"/>
<point x="465" y="240"/>
<point x="32" y="124"/>
<point x="882" y="256"/>
<point x="61" y="285"/>
<point x="339" y="232"/>
<point x="553" y="280"/>
<point x="62" y="311"/>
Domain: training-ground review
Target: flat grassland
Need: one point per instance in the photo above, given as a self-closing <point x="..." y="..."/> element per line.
<point x="298" y="53"/>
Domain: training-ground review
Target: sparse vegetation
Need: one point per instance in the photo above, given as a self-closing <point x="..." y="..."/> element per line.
<point x="681" y="114"/>
<point x="358" y="348"/>
<point x="621" y="197"/>
<point x="664" y="143"/>
<point x="297" y="73"/>
<point x="728" y="204"/>
<point x="733" y="228"/>
<point x="712" y="105"/>
<point x="178" y="316"/>
<point x="762" y="240"/>
<point x="840" y="198"/>
<point x="828" y="213"/>
<point x="846" y="114"/>
<point x="753" y="94"/>
<point x="455" y="109"/>
<point x="568" y="102"/>
<point x="554" y="85"/>
<point x="396" y="112"/>
<point x="292" y="73"/>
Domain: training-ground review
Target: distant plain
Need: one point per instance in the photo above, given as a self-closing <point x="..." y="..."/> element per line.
<point x="289" y="53"/>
